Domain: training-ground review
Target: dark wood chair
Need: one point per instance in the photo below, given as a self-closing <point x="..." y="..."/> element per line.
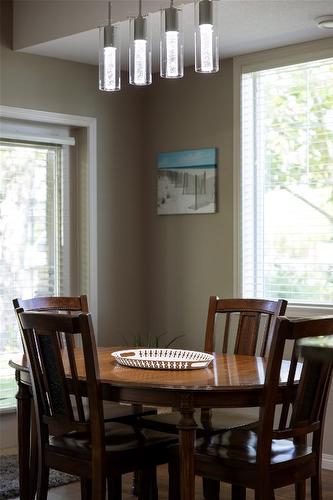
<point x="74" y="306"/>
<point x="112" y="411"/>
<point x="266" y="458"/>
<point x="93" y="450"/>
<point x="248" y="320"/>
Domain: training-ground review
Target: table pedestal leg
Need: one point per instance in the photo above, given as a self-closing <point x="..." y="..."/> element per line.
<point x="187" y="427"/>
<point x="23" y="397"/>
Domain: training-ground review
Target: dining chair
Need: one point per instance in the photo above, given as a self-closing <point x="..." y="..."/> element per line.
<point x="75" y="305"/>
<point x="112" y="411"/>
<point x="91" y="449"/>
<point x="267" y="458"/>
<point x="247" y="321"/>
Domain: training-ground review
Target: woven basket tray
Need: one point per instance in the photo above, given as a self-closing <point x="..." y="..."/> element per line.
<point x="163" y="359"/>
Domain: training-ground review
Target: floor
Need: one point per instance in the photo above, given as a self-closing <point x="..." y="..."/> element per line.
<point x="72" y="491"/>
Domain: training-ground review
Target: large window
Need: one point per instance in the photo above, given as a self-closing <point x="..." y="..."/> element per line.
<point x="287" y="183"/>
<point x="32" y="239"/>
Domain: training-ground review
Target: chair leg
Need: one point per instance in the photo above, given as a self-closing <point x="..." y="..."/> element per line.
<point x="135" y="486"/>
<point x="114" y="488"/>
<point x="264" y="494"/>
<point x="86" y="491"/>
<point x="23" y="397"/>
<point x="316" y="489"/>
<point x="238" y="492"/>
<point x="174" y="483"/>
<point x="33" y="464"/>
<point x="300" y="489"/>
<point x="147" y="484"/>
<point x="42" y="482"/>
<point x="211" y="489"/>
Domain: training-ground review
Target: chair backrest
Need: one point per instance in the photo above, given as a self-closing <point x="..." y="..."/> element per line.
<point x="66" y="304"/>
<point x="248" y="317"/>
<point x="56" y="373"/>
<point x="310" y="401"/>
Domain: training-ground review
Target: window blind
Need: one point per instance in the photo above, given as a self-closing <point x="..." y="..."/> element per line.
<point x="31" y="247"/>
<point x="287" y="183"/>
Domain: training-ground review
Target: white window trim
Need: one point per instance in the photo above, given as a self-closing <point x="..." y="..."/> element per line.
<point x="91" y="125"/>
<point x="70" y="141"/>
<point x="284" y="56"/>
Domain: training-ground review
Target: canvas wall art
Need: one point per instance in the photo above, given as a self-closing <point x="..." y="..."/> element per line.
<point x="186" y="182"/>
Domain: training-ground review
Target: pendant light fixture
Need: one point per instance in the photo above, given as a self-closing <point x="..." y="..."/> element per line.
<point x="140" y="50"/>
<point x="206" y="37"/>
<point x="325" y="22"/>
<point x="109" y="56"/>
<point x="171" y="44"/>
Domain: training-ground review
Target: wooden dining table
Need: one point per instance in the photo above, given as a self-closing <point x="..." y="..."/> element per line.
<point x="317" y="348"/>
<point x="231" y="381"/>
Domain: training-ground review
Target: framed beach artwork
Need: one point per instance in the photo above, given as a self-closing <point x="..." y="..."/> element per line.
<point x="186" y="182"/>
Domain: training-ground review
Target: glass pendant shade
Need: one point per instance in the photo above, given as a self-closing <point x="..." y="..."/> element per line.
<point x="109" y="58"/>
<point x="140" y="51"/>
<point x="171" y="44"/>
<point x="206" y="37"/>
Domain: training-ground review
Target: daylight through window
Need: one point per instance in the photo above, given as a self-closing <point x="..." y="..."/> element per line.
<point x="287" y="183"/>
<point x="31" y="242"/>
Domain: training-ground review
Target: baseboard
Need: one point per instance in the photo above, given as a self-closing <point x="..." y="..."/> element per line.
<point x="327" y="462"/>
<point x="8" y="451"/>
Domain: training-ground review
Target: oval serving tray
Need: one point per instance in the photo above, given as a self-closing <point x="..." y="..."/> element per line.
<point x="163" y="359"/>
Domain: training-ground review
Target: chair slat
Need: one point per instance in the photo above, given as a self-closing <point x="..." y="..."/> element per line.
<point x="249" y="317"/>
<point x="226" y="334"/>
<point x="75" y="380"/>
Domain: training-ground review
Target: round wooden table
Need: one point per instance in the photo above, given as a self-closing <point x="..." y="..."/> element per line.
<point x="317" y="348"/>
<point x="230" y="381"/>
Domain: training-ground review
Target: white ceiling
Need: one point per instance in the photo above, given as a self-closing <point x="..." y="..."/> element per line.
<point x="245" y="26"/>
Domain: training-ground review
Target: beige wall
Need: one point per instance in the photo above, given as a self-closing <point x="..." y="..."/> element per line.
<point x="191" y="256"/>
<point x="55" y="85"/>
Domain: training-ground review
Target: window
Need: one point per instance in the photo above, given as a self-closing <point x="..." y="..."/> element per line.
<point x="287" y="183"/>
<point x="32" y="242"/>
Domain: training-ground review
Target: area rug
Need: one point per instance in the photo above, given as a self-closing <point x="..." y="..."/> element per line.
<point x="9" y="482"/>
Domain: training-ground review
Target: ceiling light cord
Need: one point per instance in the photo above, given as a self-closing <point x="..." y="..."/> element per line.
<point x="109" y="13"/>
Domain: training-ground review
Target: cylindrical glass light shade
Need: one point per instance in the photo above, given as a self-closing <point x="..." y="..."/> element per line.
<point x="109" y="58"/>
<point x="171" y="45"/>
<point x="140" y="51"/>
<point x="206" y="37"/>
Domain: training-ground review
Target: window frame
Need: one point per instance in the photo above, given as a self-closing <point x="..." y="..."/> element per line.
<point x="284" y="56"/>
<point x="90" y="125"/>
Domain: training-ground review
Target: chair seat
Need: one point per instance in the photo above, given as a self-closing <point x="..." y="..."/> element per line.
<point x="221" y="420"/>
<point x="126" y="414"/>
<point x="120" y="439"/>
<point x="240" y="445"/>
